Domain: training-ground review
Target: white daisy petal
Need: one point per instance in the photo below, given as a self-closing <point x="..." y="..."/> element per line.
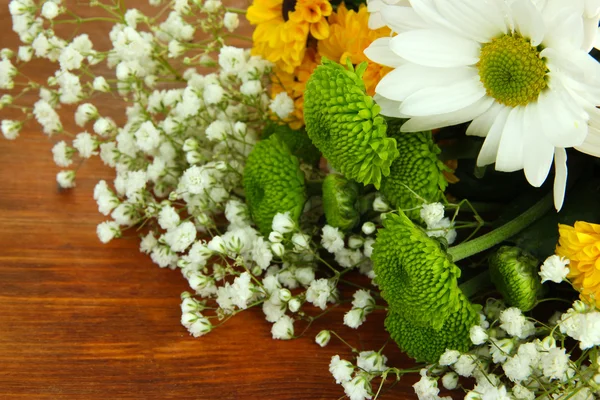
<point x="443" y="99"/>
<point x="411" y="78"/>
<point x="528" y="21"/>
<point x="434" y="48"/>
<point x="489" y="150"/>
<point x="560" y="126"/>
<point x="591" y="145"/>
<point x="476" y="19"/>
<point x="482" y="124"/>
<point x="510" y="148"/>
<point x="379" y="52"/>
<point x="540" y="152"/>
<point x="401" y="19"/>
<point x="560" y="177"/>
<point x="418" y="124"/>
<point x="389" y="108"/>
<point x="567" y="29"/>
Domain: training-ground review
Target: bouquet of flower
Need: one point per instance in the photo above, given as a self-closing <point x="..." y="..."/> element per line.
<point x="407" y="141"/>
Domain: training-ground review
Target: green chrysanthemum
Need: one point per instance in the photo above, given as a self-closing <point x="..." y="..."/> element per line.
<point x="424" y="343"/>
<point x="345" y="125"/>
<point x="415" y="275"/>
<point x="273" y="183"/>
<point x="514" y="272"/>
<point x="339" y="202"/>
<point x="416" y="175"/>
<point x="297" y="141"/>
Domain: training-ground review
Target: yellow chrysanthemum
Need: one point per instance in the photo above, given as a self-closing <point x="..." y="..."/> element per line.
<point x="349" y="37"/>
<point x="581" y="245"/>
<point x="283" y="27"/>
<point x="294" y="84"/>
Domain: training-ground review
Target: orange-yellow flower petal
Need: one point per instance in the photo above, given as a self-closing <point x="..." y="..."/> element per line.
<point x="581" y="244"/>
<point x="348" y="38"/>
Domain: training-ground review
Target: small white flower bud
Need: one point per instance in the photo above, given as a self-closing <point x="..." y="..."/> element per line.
<point x="278" y="249"/>
<point x="368" y="228"/>
<point x="294" y="304"/>
<point x="275" y="237"/>
<point x="355" y="242"/>
<point x="380" y="205"/>
<point x="285" y="295"/>
<point x="323" y="338"/>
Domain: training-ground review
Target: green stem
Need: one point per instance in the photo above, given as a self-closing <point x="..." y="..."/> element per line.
<point x="236" y="10"/>
<point x="476" y="284"/>
<point x="471" y="247"/>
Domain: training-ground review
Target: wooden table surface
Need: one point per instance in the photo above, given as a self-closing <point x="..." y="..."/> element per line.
<point x="83" y="320"/>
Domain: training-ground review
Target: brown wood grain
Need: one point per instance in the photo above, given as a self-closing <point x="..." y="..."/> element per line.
<point x="83" y="320"/>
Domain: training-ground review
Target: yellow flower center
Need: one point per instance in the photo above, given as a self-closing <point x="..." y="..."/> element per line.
<point x="512" y="70"/>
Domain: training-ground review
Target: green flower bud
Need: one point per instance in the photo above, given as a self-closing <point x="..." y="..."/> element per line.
<point x="297" y="141"/>
<point x="416" y="175"/>
<point x="514" y="272"/>
<point x="273" y="183"/>
<point x="340" y="196"/>
<point x="345" y="125"/>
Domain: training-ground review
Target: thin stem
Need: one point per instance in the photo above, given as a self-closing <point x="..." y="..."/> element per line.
<point x="475" y="284"/>
<point x="467" y="249"/>
<point x="236" y="10"/>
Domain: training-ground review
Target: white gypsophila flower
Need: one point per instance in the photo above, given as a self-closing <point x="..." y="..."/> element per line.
<point x="500" y="349"/>
<point x="105" y="198"/>
<point x="340" y="369"/>
<point x="581" y="326"/>
<point x="189" y="304"/>
<point x="85" y="113"/>
<point x="25" y="53"/>
<point x="283" y="223"/>
<point x="231" y="21"/>
<point x="211" y="6"/>
<point x="371" y="361"/>
<point x="242" y="291"/>
<point x="232" y="60"/>
<point x="368" y="247"/>
<point x="449" y="357"/>
<point x="196" y="323"/>
<point x="355" y="242"/>
<point x="320" y="292"/>
<point x="362" y="299"/>
<point x="99" y="84"/>
<point x="432" y="213"/>
<point x="555" y="363"/>
<point x="135" y="182"/>
<point x="465" y="365"/>
<point x="148" y="243"/>
<point x="11" y="129"/>
<point x="168" y="218"/>
<point x="109" y="154"/>
<point x="300" y="241"/>
<point x="47" y="117"/>
<point x="123" y="214"/>
<point x="181" y="237"/>
<point x="50" y="10"/>
<point x="273" y="311"/>
<point x="7" y="73"/>
<point x="505" y="65"/>
<point x="147" y="137"/>
<point x="517" y="368"/>
<point x="478" y="335"/>
<point x="70" y="87"/>
<point x="217" y="130"/>
<point x="513" y="321"/>
<point x="323" y="338"/>
<point x="443" y="228"/>
<point x="107" y="231"/>
<point x="213" y="93"/>
<point x="278" y="249"/>
<point x="20" y="7"/>
<point x="66" y="179"/>
<point x="380" y="205"/>
<point x="332" y="239"/>
<point x="251" y="88"/>
<point x="554" y="269"/>
<point x="348" y="258"/>
<point x="450" y="380"/>
<point x="283" y="329"/>
<point x="354" y="318"/>
<point x="282" y="105"/>
<point x="368" y="228"/>
<point x="426" y="388"/>
<point x="237" y="213"/>
<point x="359" y="388"/>
<point x="261" y="253"/>
<point x="62" y="154"/>
<point x="85" y="144"/>
<point x="176" y="48"/>
<point x="70" y="59"/>
<point x="522" y="393"/>
<point x="305" y="276"/>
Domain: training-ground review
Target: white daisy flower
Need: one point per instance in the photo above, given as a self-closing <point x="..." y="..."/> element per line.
<point x="519" y="69"/>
